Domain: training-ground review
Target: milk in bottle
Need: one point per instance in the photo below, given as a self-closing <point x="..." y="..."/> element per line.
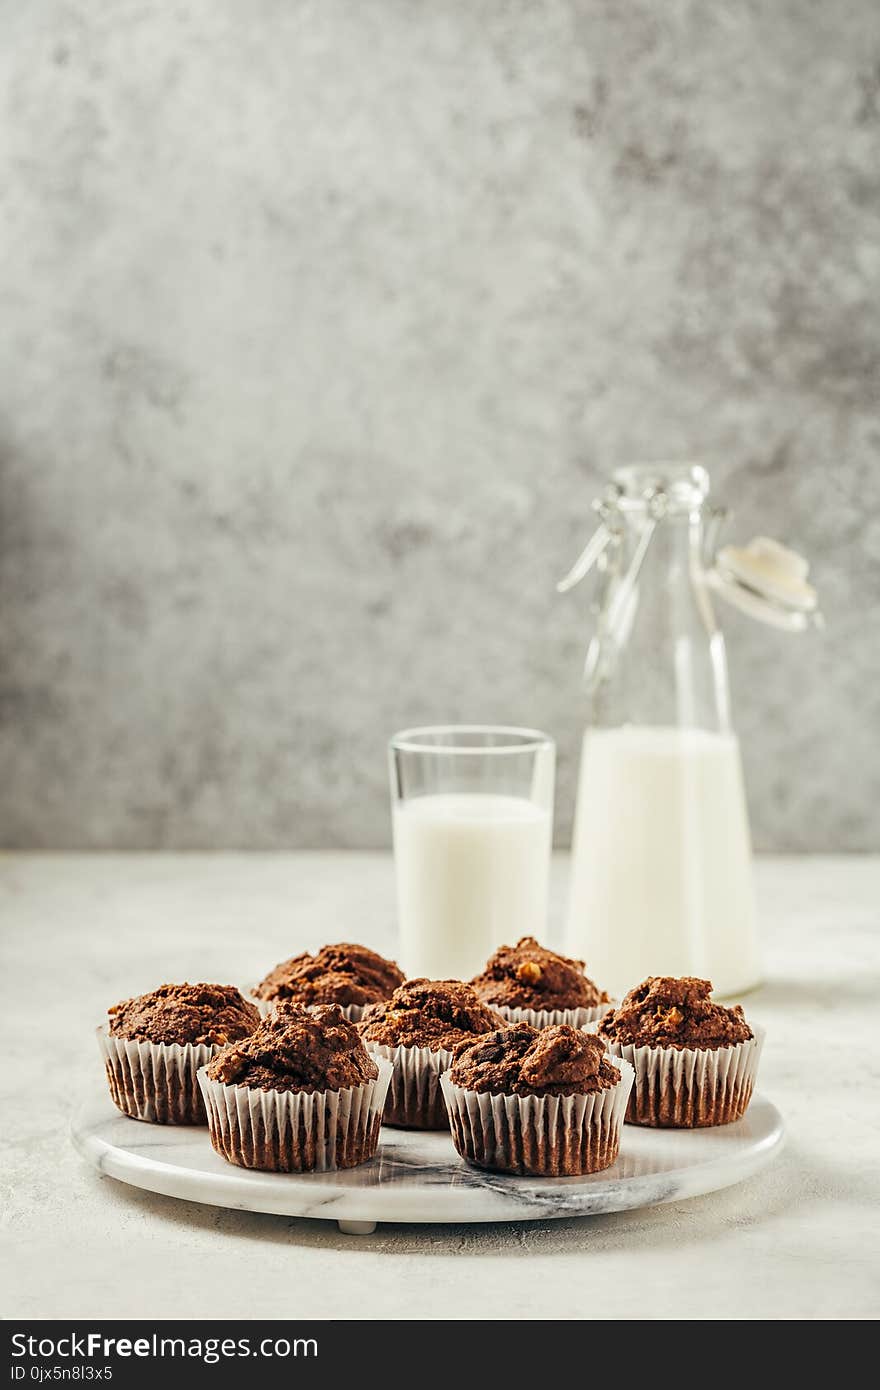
<point x="661" y="858"/>
<point x="661" y="861"/>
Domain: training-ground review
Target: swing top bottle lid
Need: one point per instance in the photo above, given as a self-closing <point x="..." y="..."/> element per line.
<point x="676" y="486"/>
<point x="768" y="581"/>
<point x="764" y="579"/>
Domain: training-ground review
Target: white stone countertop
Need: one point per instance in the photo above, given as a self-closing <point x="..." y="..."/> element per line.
<point x="800" y="1240"/>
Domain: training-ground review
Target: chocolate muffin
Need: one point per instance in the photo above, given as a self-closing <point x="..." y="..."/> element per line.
<point x="549" y="1102"/>
<point x="527" y="983"/>
<point x="346" y="974"/>
<point x="154" y="1044"/>
<point x="210" y="1014"/>
<point x="527" y="1061"/>
<point x="695" y="1061"/>
<point x="298" y="1094"/>
<point x="419" y="1029"/>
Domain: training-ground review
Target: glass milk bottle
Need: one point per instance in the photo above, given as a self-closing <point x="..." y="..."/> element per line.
<point x="661" y="858"/>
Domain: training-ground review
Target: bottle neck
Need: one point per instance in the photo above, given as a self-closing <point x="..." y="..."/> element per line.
<point x="661" y="655"/>
<point x="674" y="551"/>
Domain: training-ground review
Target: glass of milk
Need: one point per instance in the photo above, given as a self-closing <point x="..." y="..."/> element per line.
<point x="472" y="811"/>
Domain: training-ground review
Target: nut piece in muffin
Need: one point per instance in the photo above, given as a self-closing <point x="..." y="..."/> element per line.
<point x="154" y="1044"/>
<point x="695" y="1061"/>
<point x="529" y="977"/>
<point x="418" y="1029"/>
<point x="347" y="974"/>
<point x="299" y="1093"/>
<point x="212" y="1014"/>
<point x="667" y="1012"/>
<point x="544" y="1101"/>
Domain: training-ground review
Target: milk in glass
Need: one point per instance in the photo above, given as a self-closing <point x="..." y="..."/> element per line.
<point x="472" y="872"/>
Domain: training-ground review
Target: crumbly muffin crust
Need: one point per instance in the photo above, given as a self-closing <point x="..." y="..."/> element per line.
<point x="524" y="1061"/>
<point x="297" y="1049"/>
<point x="344" y="973"/>
<point x="529" y="976"/>
<point x="201" y="1013"/>
<point x="666" y="1012"/>
<point x="429" y="1013"/>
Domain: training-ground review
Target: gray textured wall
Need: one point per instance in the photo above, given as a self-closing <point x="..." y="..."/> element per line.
<point x="320" y="322"/>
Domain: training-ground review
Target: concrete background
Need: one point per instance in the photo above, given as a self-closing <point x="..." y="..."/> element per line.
<point x="321" y="321"/>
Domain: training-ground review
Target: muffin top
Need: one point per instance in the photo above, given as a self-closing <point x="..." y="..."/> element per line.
<point x="342" y="974"/>
<point x="297" y="1049"/>
<point x="526" y="1061"/>
<point x="429" y="1013"/>
<point x="665" y="1012"/>
<point x="528" y="976"/>
<point x="184" y="1014"/>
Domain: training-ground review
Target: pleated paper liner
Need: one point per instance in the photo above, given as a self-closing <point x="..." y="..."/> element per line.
<point x="547" y="1018"/>
<point x="353" y="1012"/>
<point x="415" y="1100"/>
<point x="691" y="1087"/>
<point x="540" y="1136"/>
<point x="155" y="1082"/>
<point x="296" y="1131"/>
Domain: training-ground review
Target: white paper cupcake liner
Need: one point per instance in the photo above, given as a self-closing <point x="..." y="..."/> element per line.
<point x="155" y="1082"/>
<point x="547" y="1018"/>
<point x="547" y="1136"/>
<point x="353" y="1012"/>
<point x="415" y="1100"/>
<point x="691" y="1087"/>
<point x="296" y="1131"/>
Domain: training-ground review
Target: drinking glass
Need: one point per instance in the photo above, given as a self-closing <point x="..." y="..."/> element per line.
<point x="472" y="813"/>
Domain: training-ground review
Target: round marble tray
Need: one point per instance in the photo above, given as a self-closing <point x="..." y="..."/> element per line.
<point x="418" y="1177"/>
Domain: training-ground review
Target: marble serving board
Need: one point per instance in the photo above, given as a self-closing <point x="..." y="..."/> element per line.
<point x="418" y="1177"/>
